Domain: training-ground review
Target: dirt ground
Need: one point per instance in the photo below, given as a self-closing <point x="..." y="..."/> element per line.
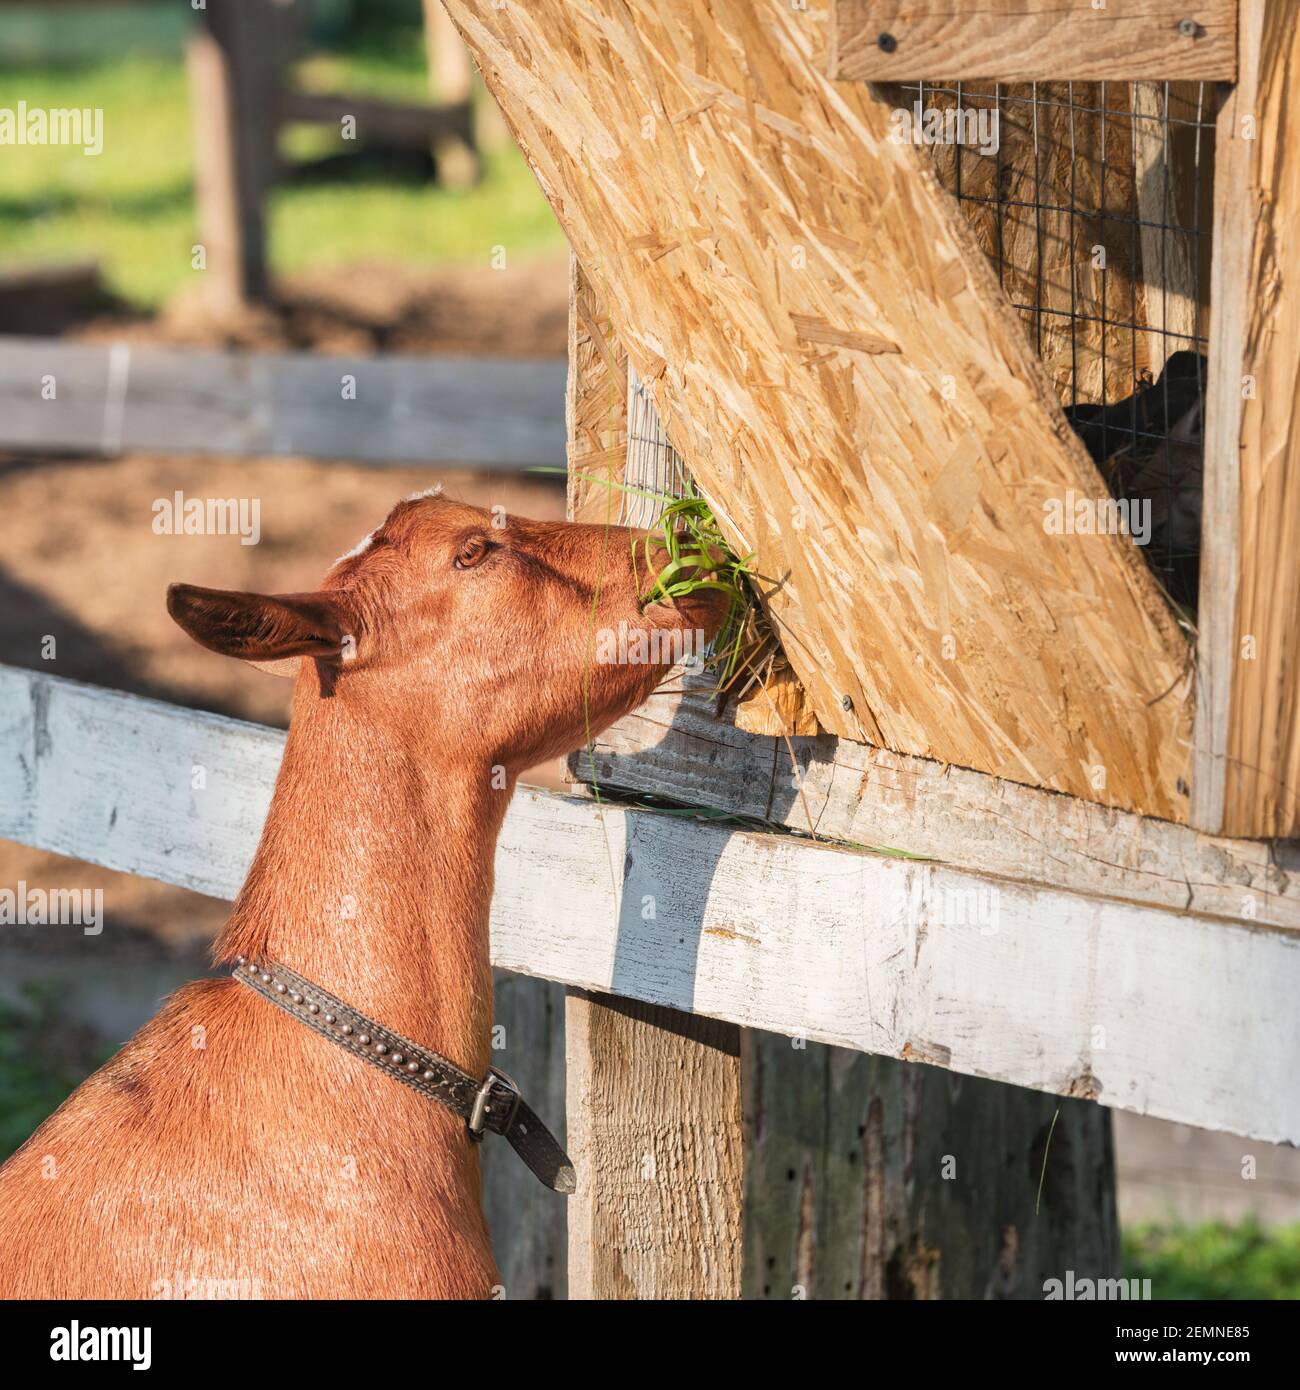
<point x="521" y="311"/>
<point x="82" y="564"/>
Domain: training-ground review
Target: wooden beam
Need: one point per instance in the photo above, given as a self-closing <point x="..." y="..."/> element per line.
<point x="392" y="124"/>
<point x="494" y="413"/>
<point x="450" y="67"/>
<point x="832" y="357"/>
<point x="1160" y="1012"/>
<point x="1246" y="779"/>
<point x="654" y="1094"/>
<point x="654" y="1128"/>
<point x="1032" y="40"/>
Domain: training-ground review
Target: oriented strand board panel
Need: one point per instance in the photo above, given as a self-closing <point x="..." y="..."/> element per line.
<point x="830" y="353"/>
<point x="1034" y="40"/>
<point x="1247" y="776"/>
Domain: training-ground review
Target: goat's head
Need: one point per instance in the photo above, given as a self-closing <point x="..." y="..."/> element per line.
<point x="517" y="639"/>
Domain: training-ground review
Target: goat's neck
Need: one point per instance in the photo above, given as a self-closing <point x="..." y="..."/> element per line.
<point x="373" y="877"/>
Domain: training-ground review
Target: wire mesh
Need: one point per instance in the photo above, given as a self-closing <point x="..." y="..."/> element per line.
<point x="1094" y="206"/>
<point x="653" y="465"/>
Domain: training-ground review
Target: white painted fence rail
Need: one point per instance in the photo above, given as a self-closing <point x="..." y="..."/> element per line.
<point x="1187" y="1017"/>
<point x="113" y="398"/>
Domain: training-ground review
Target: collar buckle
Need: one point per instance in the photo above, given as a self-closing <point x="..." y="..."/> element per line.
<point x="476" y="1123"/>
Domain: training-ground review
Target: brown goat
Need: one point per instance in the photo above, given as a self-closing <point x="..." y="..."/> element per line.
<point x="227" y="1145"/>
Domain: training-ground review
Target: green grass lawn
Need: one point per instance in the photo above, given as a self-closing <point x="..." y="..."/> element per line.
<point x="1215" y="1260"/>
<point x="132" y="207"/>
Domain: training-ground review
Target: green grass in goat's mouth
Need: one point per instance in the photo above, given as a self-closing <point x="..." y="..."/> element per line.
<point x="699" y="558"/>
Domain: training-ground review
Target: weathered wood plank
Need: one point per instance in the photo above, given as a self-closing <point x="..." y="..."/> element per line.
<point x="1080" y="996"/>
<point x="674" y="747"/>
<point x="529" y="1227"/>
<point x="1160" y="1012"/>
<point x="869" y="1178"/>
<point x="654" y="1127"/>
<point x="757" y="235"/>
<point x="1246" y="779"/>
<point x="486" y="412"/>
<point x="1033" y="40"/>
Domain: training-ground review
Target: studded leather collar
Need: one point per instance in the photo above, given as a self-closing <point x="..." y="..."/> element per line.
<point x="494" y="1103"/>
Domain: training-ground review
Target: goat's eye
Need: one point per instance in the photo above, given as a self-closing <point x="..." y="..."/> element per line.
<point x="471" y="552"/>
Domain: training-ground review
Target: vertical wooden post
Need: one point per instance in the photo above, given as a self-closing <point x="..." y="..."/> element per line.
<point x="1246" y="770"/>
<point x="451" y="77"/>
<point x="654" y="1129"/>
<point x="233" y="61"/>
<point x="654" y="1116"/>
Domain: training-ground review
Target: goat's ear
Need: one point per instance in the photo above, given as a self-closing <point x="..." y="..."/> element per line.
<point x="270" y="631"/>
